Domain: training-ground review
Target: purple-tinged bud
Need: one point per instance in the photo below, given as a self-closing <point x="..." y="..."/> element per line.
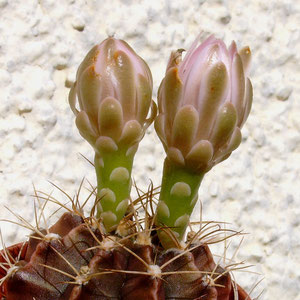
<point x="204" y="100"/>
<point x="113" y="87"/>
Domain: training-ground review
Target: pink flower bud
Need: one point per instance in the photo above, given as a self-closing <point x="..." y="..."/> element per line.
<point x="204" y="100"/>
<point x="113" y="87"/>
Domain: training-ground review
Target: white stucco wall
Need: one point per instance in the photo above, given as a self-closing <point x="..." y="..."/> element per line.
<point x="257" y="189"/>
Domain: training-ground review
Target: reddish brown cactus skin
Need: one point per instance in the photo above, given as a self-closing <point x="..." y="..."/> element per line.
<point x="15" y="251"/>
<point x="136" y="286"/>
<point x="64" y="267"/>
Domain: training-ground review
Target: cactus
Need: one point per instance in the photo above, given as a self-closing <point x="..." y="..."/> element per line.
<point x="125" y="249"/>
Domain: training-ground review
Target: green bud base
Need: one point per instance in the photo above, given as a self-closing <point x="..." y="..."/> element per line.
<point x="113" y="172"/>
<point x="178" y="196"/>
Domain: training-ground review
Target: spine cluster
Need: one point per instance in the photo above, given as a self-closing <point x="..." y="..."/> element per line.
<point x="75" y="260"/>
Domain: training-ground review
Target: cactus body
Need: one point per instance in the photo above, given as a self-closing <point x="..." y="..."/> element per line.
<point x="76" y="261"/>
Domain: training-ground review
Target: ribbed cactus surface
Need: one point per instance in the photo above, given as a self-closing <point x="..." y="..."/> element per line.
<point x="74" y="260"/>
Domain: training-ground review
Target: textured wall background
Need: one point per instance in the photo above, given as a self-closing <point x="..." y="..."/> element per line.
<point x="257" y="189"/>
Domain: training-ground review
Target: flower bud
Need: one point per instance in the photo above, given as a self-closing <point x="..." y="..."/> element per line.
<point x="113" y="88"/>
<point x="204" y="100"/>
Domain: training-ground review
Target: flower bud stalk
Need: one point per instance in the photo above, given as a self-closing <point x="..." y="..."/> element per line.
<point x="113" y="170"/>
<point x="178" y="196"/>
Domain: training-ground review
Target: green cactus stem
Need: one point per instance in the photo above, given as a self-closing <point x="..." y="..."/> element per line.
<point x="113" y="170"/>
<point x="178" y="196"/>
